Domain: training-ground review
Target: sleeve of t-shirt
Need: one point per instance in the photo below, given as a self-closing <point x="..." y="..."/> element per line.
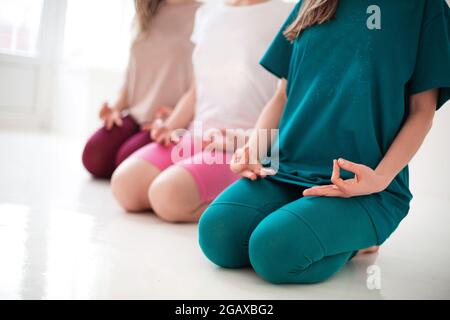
<point x="432" y="70"/>
<point x="277" y="58"/>
<point x="198" y="25"/>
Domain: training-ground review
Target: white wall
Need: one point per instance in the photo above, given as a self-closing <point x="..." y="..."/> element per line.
<point x="27" y="79"/>
<point x="78" y="96"/>
<point x="431" y="167"/>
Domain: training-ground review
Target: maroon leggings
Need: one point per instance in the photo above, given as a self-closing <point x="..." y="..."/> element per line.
<point x="106" y="149"/>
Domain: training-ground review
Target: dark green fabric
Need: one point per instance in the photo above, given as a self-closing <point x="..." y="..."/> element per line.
<point x="348" y="92"/>
<point x="285" y="238"/>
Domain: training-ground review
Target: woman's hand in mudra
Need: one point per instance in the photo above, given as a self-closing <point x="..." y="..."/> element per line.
<point x="365" y="182"/>
<point x="246" y="164"/>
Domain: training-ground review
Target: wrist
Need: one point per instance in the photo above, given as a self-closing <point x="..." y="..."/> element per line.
<point x="253" y="150"/>
<point x="167" y="125"/>
<point x="117" y="108"/>
<point x="384" y="177"/>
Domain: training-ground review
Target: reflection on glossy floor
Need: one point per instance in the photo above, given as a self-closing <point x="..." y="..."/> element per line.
<point x="62" y="236"/>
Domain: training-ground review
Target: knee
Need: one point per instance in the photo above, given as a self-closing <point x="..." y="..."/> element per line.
<point x="122" y="186"/>
<point x="96" y="160"/>
<point x="220" y="237"/>
<point x="273" y="258"/>
<point x="163" y="198"/>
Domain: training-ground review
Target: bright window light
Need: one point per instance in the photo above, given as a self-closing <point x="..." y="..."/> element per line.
<point x="98" y="33"/>
<point x="19" y="26"/>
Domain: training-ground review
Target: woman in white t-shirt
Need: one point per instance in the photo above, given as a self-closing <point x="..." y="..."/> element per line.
<point x="178" y="177"/>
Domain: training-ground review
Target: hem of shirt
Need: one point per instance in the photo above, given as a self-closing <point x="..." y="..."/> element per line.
<point x="292" y="181"/>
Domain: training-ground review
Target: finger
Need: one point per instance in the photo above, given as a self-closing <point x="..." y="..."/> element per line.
<point x="336" y="171"/>
<point x="329" y="191"/>
<point x="336" y="176"/>
<point x="252" y="157"/>
<point x="153" y="134"/>
<point x="207" y="139"/>
<point x="249" y="175"/>
<point x="312" y="191"/>
<point x="167" y="139"/>
<point x="205" y="144"/>
<point x="237" y="165"/>
<point x="261" y="174"/>
<point x="258" y="170"/>
<point x="240" y="158"/>
<point x="269" y="171"/>
<point x="349" y="166"/>
<point x="118" y="121"/>
<point x="156" y="133"/>
<point x="109" y="123"/>
<point x="146" y="127"/>
<point x="103" y="112"/>
<point x="160" y="138"/>
<point x="328" y="186"/>
<point x="103" y="109"/>
<point x="238" y="168"/>
<point x="176" y="138"/>
<point x="342" y="185"/>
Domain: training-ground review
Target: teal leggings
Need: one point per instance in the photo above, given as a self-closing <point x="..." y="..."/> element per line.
<point x="285" y="237"/>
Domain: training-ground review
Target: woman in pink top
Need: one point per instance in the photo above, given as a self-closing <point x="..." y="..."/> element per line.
<point x="158" y="74"/>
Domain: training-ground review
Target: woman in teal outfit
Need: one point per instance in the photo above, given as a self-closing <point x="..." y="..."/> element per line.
<point x="360" y="84"/>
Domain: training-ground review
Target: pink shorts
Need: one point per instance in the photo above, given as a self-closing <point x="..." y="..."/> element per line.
<point x="210" y="169"/>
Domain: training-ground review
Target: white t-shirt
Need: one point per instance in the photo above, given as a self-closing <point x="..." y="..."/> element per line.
<point x="232" y="88"/>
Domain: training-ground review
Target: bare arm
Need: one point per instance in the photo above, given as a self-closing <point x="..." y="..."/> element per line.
<point x="184" y="111"/>
<point x="246" y="160"/>
<point x="270" y="116"/>
<point x="180" y="118"/>
<point x="402" y="150"/>
<point x="411" y="136"/>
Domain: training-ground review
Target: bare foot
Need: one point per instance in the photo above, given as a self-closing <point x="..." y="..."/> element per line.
<point x="370" y="250"/>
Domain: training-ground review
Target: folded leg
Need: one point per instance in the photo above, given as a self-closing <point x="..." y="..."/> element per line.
<point x="310" y="239"/>
<point x="101" y="150"/>
<point x="226" y="226"/>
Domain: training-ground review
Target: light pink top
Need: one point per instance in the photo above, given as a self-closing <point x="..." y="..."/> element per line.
<point x="160" y="67"/>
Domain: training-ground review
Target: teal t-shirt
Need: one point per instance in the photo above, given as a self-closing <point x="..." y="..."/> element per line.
<point x="349" y="87"/>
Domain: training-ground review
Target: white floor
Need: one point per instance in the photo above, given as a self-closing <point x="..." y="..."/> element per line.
<point x="62" y="236"/>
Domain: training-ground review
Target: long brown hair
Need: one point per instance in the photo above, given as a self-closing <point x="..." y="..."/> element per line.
<point x="145" y="11"/>
<point x="311" y="12"/>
